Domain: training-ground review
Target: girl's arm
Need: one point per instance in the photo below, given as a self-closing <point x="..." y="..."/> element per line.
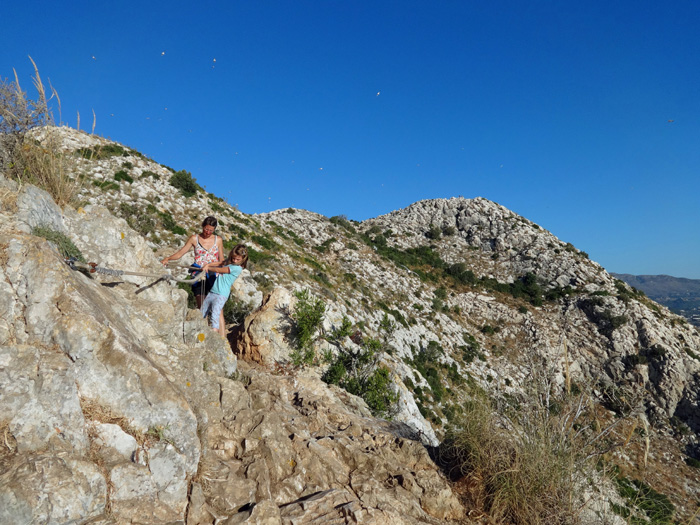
<point x="216" y="267"/>
<point x="182" y="251"/>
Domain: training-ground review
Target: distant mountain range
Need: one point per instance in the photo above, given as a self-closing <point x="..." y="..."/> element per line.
<point x="676" y="293"/>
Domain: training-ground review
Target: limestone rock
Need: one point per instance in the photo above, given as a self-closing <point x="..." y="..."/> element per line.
<point x="265" y="335"/>
<point x="50" y="489"/>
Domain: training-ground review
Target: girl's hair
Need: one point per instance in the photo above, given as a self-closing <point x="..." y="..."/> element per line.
<point x="210" y="221"/>
<point x="239" y="249"/>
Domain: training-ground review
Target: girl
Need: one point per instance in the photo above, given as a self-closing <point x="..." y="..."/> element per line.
<point x="228" y="271"/>
<point x="208" y="248"/>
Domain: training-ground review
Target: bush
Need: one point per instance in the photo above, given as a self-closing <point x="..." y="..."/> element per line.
<point x="183" y="181"/>
<point x="18" y="115"/>
<point x="656" y="506"/>
<point x="170" y="224"/>
<point x="235" y="311"/>
<point x="123" y="175"/>
<point x="265" y="242"/>
<point x="137" y="220"/>
<point x="147" y="173"/>
<point x="257" y="257"/>
<point x="102" y="152"/>
<point x="359" y="373"/>
<point x="307" y="316"/>
<point x="342" y="220"/>
<point x="434" y="232"/>
<point x="63" y="244"/>
<point x="344" y="330"/>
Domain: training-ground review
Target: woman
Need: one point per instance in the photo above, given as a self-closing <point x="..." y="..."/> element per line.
<point x="208" y="248"/>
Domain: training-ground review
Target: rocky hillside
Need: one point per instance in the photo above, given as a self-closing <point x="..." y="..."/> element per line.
<point x="112" y="384"/>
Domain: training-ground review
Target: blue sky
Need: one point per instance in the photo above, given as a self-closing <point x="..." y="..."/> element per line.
<point x="557" y="110"/>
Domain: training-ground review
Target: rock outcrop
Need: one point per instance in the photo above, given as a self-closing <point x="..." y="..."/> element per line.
<point x="121" y="406"/>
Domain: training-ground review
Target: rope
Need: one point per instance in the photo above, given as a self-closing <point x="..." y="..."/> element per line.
<point x="93" y="268"/>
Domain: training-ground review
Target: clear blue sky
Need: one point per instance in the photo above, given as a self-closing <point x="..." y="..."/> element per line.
<point x="558" y="110"/>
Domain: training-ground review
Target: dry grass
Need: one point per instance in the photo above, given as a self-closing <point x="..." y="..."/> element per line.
<point x="8" y="443"/>
<point x="530" y="460"/>
<point x="8" y="200"/>
<point x="31" y="142"/>
<point x="93" y="411"/>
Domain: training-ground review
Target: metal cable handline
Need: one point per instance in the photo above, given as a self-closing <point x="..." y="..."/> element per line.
<point x="94" y="268"/>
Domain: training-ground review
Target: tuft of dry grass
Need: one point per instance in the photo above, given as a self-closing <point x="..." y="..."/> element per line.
<point x="30" y="142"/>
<point x="93" y="411"/>
<point x="530" y="460"/>
<point x="8" y="443"/>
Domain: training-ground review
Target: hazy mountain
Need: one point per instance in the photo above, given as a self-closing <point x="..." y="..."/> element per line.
<point x="676" y="293"/>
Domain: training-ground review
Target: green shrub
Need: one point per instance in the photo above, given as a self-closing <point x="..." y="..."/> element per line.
<point x="323" y="247"/>
<point x="265" y="242"/>
<point x="191" y="299"/>
<point x="183" y="181"/>
<point x="170" y="224"/>
<point x="61" y="241"/>
<point x="102" y="152"/>
<point x="344" y="330"/>
<point x="488" y="329"/>
<point x="235" y="311"/>
<point x="342" y="220"/>
<point x="106" y="185"/>
<point x="692" y="462"/>
<point x="138" y="221"/>
<point x="656" y="506"/>
<point x="434" y="232"/>
<point x="257" y="257"/>
<point x="359" y="373"/>
<point x="123" y="175"/>
<point x="308" y="317"/>
<point x="147" y="173"/>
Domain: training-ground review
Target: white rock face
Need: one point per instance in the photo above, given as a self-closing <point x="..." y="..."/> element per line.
<point x="113" y="443"/>
<point x="114" y="397"/>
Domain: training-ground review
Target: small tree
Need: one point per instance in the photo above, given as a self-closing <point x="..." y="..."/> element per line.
<point x="307" y="316"/>
<point x="183" y="181"/>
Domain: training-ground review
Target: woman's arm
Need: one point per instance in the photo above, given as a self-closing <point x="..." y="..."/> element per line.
<point x="182" y="251"/>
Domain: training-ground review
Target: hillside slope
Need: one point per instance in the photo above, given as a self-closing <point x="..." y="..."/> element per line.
<point x="457" y="298"/>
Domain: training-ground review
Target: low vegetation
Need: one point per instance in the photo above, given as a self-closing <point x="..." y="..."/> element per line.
<point x="183" y="181"/>
<point x="308" y="316"/>
<point x="360" y="372"/>
<point x="30" y="146"/>
<point x="528" y="459"/>
<point x="62" y="242"/>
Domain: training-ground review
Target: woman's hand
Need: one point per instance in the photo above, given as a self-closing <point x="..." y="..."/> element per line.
<point x="165" y="261"/>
